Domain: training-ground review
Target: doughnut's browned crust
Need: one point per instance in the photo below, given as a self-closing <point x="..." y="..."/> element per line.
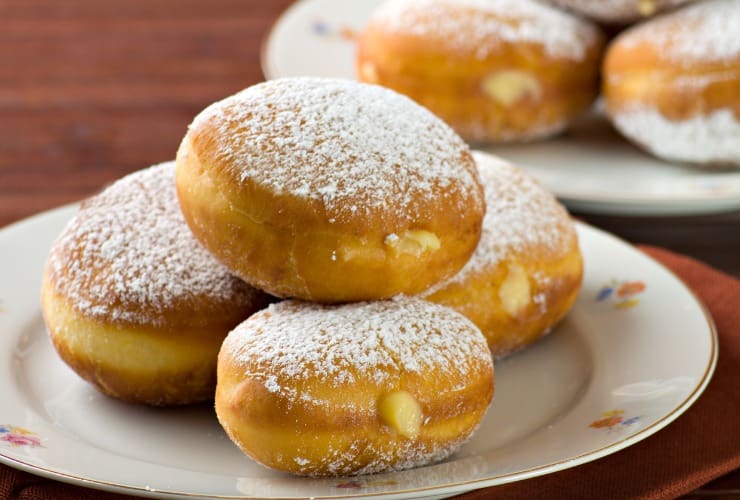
<point x="307" y="422"/>
<point x="527" y="270"/>
<point x="160" y="366"/>
<point x="479" y="298"/>
<point x="637" y="72"/>
<point x="300" y="245"/>
<point x="119" y="312"/>
<point x="454" y="80"/>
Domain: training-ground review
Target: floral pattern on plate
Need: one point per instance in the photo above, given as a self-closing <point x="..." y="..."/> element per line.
<point x="18" y="436"/>
<point x="614" y="419"/>
<point x="324" y="29"/>
<point x="622" y="294"/>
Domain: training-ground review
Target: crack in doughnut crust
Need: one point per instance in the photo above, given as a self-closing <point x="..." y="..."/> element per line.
<point x="526" y="272"/>
<point x="133" y="303"/>
<point x="671" y="84"/>
<point x="299" y="185"/>
<point x="510" y="70"/>
<point x="319" y="389"/>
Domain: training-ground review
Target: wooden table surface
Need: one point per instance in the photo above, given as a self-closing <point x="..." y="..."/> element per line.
<point x="91" y="90"/>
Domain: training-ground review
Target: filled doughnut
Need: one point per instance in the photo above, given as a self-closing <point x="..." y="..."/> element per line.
<point x="510" y="70"/>
<point x="618" y="12"/>
<point x="133" y="303"/>
<point x="328" y="390"/>
<point x="526" y="272"/>
<point x="671" y="84"/>
<point x="330" y="190"/>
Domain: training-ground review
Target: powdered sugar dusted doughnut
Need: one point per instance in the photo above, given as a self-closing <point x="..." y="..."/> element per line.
<point x="526" y="272"/>
<point x="672" y="84"/>
<point x="330" y="190"/>
<point x="618" y="11"/>
<point x="353" y="389"/>
<point x="133" y="303"/>
<point x="509" y="70"/>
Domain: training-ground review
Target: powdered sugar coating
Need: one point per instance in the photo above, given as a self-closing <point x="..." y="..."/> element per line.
<point x="520" y="216"/>
<point x="350" y="148"/>
<point x="704" y="32"/>
<point x="328" y="345"/>
<point x="129" y="257"/>
<point x="618" y="11"/>
<point x="340" y="462"/>
<point x="712" y="139"/>
<point x="481" y="26"/>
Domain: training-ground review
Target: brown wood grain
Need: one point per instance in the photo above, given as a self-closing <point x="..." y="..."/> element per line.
<point x="91" y="90"/>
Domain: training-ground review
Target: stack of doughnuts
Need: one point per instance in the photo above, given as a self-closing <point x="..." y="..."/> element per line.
<point x="321" y="190"/>
<point x="522" y="70"/>
<point x="396" y="263"/>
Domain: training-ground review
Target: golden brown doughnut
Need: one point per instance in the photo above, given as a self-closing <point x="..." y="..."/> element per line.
<point x="618" y="12"/>
<point x="131" y="300"/>
<point x="672" y="84"/>
<point x="327" y="390"/>
<point x="526" y="271"/>
<point x="510" y="70"/>
<point x="330" y="190"/>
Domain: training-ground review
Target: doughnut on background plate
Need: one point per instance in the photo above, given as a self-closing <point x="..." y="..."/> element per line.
<point x="330" y="190"/>
<point x="508" y="70"/>
<point x="672" y="84"/>
<point x="133" y="303"/>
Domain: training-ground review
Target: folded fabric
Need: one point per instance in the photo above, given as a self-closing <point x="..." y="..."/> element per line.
<point x="701" y="445"/>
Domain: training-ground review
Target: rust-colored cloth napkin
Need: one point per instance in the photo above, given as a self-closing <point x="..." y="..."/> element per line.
<point x="701" y="445"/>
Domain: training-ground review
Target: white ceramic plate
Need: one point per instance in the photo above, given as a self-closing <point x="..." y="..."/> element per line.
<point x="633" y="354"/>
<point x="592" y="169"/>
